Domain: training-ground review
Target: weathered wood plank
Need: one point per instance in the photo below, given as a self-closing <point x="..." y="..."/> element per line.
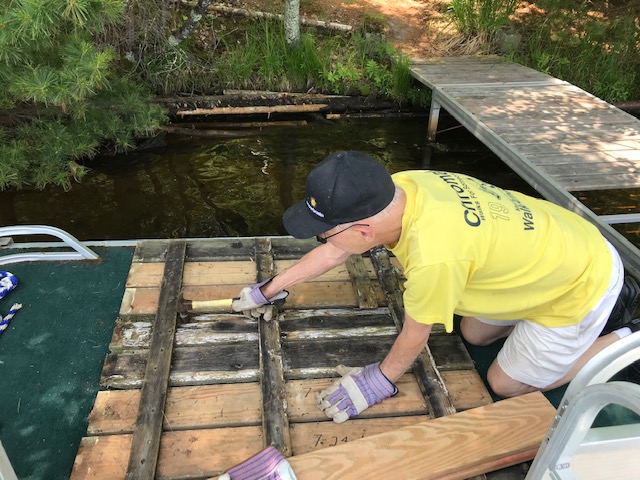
<point x="232" y="329"/>
<point x="466" y="389"/>
<point x="301" y="398"/>
<point x="293" y="320"/>
<point x="184" y="454"/>
<point x="485" y="438"/>
<point x="146" y="438"/>
<point x="191" y="366"/>
<point x="198" y="250"/>
<point x="207" y="406"/>
<point x="323" y="353"/>
<point x="275" y="420"/>
<point x="361" y="279"/>
<point x="449" y="353"/>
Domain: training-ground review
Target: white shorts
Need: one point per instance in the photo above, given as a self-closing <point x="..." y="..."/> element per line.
<point x="540" y="356"/>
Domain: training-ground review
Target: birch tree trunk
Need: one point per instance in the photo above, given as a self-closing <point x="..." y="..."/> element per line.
<point x="292" y="21"/>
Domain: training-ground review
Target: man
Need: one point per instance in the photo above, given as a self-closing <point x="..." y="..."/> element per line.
<point x="511" y="265"/>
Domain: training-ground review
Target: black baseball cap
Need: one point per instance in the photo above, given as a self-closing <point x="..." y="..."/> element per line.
<point x="344" y="187"/>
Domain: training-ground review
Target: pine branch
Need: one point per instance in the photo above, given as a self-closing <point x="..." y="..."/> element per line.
<point x="194" y="18"/>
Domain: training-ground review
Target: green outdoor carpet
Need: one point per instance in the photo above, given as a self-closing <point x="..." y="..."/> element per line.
<point x="51" y="356"/>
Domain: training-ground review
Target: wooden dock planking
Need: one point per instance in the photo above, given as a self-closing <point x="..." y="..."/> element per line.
<point x="214" y="415"/>
<point x="556" y="136"/>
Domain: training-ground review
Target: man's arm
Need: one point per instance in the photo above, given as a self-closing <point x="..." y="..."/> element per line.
<point x="318" y="261"/>
<point x="404" y="351"/>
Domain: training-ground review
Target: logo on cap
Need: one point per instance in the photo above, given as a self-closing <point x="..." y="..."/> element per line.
<point x="312" y="204"/>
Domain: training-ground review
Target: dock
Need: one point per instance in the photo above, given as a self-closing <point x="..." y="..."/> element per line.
<point x="235" y="384"/>
<point x="557" y="137"/>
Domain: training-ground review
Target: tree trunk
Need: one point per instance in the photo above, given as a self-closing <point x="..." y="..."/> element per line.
<point x="194" y="18"/>
<point x="292" y="21"/>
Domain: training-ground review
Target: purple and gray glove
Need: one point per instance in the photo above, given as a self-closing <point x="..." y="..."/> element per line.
<point x="253" y="303"/>
<point x="358" y="389"/>
<point x="269" y="464"/>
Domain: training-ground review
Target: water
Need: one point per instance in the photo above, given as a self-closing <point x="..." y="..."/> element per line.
<point x="196" y="187"/>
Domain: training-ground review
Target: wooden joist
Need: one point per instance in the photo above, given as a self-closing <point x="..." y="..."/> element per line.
<point x="146" y="437"/>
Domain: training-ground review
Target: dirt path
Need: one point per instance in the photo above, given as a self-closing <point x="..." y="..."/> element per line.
<point x="410" y="25"/>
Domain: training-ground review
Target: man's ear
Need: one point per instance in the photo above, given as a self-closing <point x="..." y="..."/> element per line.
<point x="366" y="231"/>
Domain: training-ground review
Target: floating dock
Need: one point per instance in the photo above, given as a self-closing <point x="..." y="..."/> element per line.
<point x="557" y="137"/>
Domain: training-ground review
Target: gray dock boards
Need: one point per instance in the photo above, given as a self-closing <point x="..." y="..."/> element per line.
<point x="547" y="120"/>
<point x="557" y="137"/>
<point x="236" y="385"/>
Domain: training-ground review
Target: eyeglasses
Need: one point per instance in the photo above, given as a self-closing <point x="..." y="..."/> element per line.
<point x="323" y="240"/>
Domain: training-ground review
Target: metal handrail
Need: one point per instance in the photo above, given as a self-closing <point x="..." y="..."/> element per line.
<point x="80" y="252"/>
<point x="585" y="396"/>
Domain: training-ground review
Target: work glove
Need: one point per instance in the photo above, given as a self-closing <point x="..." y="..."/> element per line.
<point x="357" y="390"/>
<point x="253" y="303"/>
<point x="269" y="464"/>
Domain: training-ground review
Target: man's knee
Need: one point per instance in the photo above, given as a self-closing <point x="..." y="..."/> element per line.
<point x="505" y="386"/>
<point x="481" y="334"/>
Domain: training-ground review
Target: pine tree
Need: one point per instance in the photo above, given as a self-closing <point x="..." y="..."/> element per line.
<point x="62" y="95"/>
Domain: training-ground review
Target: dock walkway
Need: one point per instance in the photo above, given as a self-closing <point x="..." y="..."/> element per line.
<point x="557" y="137"/>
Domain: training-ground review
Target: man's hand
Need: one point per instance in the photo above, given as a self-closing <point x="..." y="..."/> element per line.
<point x="357" y="390"/>
<point x="269" y="464"/>
<point x="253" y="303"/>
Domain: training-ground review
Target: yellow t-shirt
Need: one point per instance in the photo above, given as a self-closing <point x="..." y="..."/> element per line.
<point x="470" y="248"/>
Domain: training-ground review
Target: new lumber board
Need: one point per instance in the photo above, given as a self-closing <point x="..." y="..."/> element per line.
<point x="453" y="447"/>
<point x="316" y="436"/>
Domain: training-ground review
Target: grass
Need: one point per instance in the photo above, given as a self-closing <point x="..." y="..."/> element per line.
<point x="586" y="47"/>
<point x="571" y="40"/>
<point x="254" y="55"/>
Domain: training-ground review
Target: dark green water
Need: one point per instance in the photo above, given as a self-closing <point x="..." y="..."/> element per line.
<point x="196" y="187"/>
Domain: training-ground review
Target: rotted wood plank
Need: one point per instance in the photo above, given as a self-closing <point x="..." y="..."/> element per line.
<point x="362" y="284"/>
<point x="449" y="353"/>
<point x="225" y="363"/>
<point x="301" y="399"/>
<point x="429" y="378"/>
<point x="319" y="358"/>
<point x="210" y="329"/>
<point x="146" y="438"/>
<point x="466" y="389"/>
<point x="198" y="250"/>
<point x="208" y="406"/>
<point x="275" y="420"/>
<point x="328" y="318"/>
